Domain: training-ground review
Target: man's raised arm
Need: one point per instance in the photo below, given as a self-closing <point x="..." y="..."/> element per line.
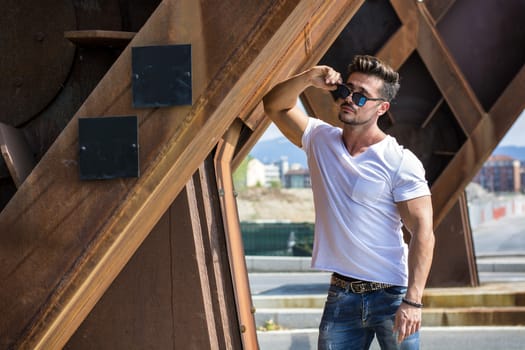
<point x="280" y="103"/>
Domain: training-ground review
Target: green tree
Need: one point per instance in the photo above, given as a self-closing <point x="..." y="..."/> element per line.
<point x="239" y="175"/>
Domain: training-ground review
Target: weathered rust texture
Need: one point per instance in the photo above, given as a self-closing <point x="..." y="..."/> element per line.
<point x="82" y="242"/>
<point x="35" y="59"/>
<point x="223" y="161"/>
<point x="478" y="147"/>
<point x="175" y="292"/>
<point x="454" y="263"/>
<point x="63" y="241"/>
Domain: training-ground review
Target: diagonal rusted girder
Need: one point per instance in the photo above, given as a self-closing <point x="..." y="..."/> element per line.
<point x="447" y="75"/>
<point x="61" y="258"/>
<point x="482" y="135"/>
<point x="401" y="45"/>
<point x="479" y="145"/>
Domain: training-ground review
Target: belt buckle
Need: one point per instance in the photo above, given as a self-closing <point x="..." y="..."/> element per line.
<point x="358" y="287"/>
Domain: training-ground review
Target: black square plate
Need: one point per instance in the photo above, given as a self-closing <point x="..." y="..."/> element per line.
<point x="161" y="76"/>
<point x="108" y="147"/>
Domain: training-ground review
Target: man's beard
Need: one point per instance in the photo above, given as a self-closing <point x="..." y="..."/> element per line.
<point x="353" y="121"/>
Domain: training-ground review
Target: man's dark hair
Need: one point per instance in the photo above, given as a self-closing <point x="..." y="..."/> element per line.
<point x="373" y="66"/>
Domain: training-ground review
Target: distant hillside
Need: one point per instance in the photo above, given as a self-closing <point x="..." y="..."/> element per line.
<point x="511" y="151"/>
<point x="270" y="151"/>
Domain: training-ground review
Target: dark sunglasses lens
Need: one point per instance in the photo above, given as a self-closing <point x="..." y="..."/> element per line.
<point x="359" y="99"/>
<point x="342" y="91"/>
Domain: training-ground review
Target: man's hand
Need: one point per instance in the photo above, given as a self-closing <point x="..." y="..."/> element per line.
<point x="324" y="77"/>
<point x="280" y="103"/>
<point x="407" y="321"/>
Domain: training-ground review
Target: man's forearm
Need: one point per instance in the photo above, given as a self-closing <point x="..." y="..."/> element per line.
<point x="283" y="96"/>
<point x="419" y="262"/>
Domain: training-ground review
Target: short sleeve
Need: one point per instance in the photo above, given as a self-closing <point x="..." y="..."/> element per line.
<point x="307" y="134"/>
<point x="409" y="181"/>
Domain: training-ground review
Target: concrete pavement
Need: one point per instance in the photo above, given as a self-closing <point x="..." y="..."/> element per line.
<point x="432" y="338"/>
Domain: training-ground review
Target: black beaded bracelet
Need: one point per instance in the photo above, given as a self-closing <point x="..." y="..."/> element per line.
<point x="412" y="303"/>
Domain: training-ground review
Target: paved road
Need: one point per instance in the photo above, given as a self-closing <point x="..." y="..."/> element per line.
<point x="289" y="283"/>
<point x="500" y="237"/>
<point x="432" y="338"/>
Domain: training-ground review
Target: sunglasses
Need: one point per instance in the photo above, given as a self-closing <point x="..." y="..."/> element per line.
<point x="343" y="91"/>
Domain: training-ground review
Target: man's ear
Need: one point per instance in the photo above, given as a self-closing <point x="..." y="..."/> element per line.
<point x="383" y="107"/>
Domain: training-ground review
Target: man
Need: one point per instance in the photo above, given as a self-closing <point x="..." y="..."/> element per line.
<point x="366" y="186"/>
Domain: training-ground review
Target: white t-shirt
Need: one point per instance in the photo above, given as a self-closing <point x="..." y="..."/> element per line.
<point x="358" y="227"/>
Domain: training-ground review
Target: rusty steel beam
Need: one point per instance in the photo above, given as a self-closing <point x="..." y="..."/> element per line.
<point x="143" y="306"/>
<point x="439" y="8"/>
<point x="454" y="262"/>
<point x="484" y="138"/>
<point x="223" y="161"/>
<point x="99" y="38"/>
<point x="401" y="45"/>
<point x="87" y="238"/>
<point x="257" y="123"/>
<point x="447" y="75"/>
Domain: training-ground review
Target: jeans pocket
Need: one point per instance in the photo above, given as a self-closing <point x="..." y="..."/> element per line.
<point x="395" y="291"/>
<point x="334" y="294"/>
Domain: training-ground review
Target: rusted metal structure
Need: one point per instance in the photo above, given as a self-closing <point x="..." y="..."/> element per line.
<point x="157" y="261"/>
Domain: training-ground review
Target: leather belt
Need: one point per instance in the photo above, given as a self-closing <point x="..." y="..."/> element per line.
<point x="357" y="286"/>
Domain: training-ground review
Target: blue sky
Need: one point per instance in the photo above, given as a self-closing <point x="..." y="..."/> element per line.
<point x="515" y="136"/>
<point x="271" y="133"/>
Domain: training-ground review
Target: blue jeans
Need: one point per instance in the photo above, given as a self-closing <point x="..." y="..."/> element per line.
<point x="351" y="320"/>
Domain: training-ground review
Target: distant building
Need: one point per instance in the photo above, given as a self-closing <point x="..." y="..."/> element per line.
<point x="255" y="173"/>
<point x="297" y="178"/>
<point x="284" y="166"/>
<point x="522" y="176"/>
<point x="500" y="174"/>
<point x="259" y="174"/>
<point x="272" y="173"/>
<point x="276" y="174"/>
